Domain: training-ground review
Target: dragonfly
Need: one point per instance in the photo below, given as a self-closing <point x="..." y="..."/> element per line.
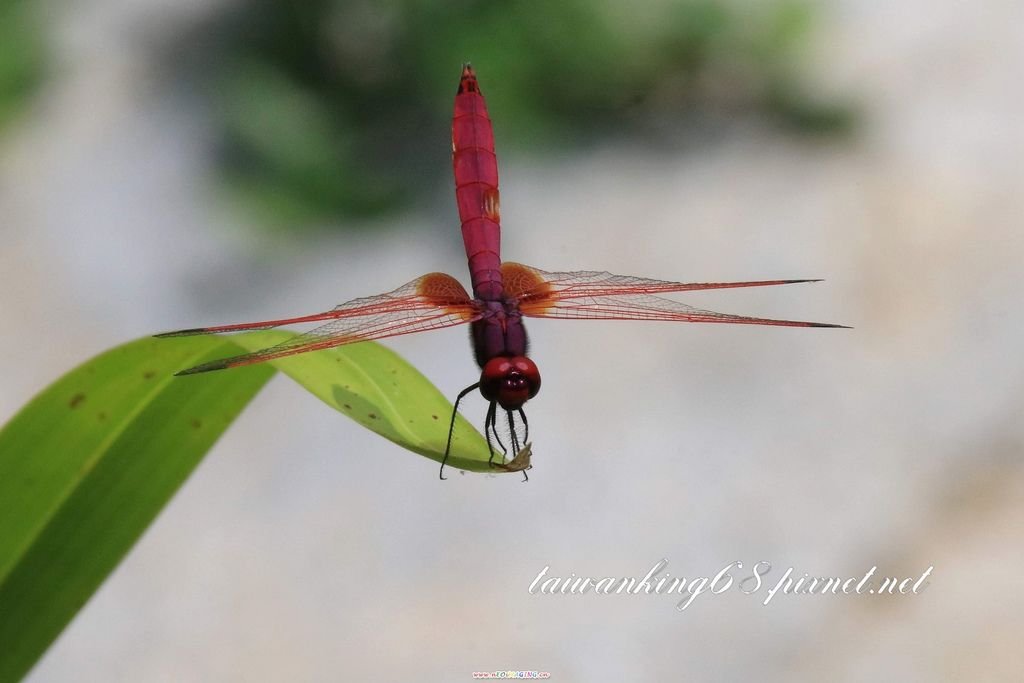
<point x="504" y="293"/>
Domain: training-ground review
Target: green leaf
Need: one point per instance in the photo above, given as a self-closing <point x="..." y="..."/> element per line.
<point x="87" y="465"/>
<point x="373" y="385"/>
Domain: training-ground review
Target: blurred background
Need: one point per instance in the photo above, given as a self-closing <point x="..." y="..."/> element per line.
<point x="167" y="165"/>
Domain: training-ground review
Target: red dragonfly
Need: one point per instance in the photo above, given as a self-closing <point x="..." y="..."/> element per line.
<point x="503" y="293"/>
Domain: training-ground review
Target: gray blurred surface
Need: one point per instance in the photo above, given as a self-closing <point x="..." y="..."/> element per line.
<point x="305" y="548"/>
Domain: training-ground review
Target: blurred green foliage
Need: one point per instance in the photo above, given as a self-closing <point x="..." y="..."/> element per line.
<point x="21" y="57"/>
<point x="332" y="108"/>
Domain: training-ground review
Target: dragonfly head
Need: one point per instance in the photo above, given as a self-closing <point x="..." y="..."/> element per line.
<point x="510" y="380"/>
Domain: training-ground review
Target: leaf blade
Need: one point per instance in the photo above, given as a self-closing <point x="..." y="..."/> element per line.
<point x="374" y="386"/>
<point x="88" y="464"/>
<point x="91" y="485"/>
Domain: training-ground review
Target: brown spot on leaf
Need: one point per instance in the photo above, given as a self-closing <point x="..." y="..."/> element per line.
<point x="76" y="400"/>
<point x="373" y="416"/>
<point x="346" y="406"/>
<point x="195" y="423"/>
<point x="434" y="416"/>
<point x="101" y="416"/>
<point x="148" y="374"/>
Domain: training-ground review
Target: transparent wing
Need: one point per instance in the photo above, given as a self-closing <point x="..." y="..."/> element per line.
<point x="533" y="284"/>
<point x="647" y="307"/>
<point x="430" y="302"/>
<point x="594" y="295"/>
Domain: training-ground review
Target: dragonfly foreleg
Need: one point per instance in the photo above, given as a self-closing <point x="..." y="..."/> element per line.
<point x="512" y="431"/>
<point x="491" y="427"/>
<point x="515" y="437"/>
<point x="451" y="425"/>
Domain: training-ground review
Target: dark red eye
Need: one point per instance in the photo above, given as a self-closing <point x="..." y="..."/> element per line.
<point x="511" y="381"/>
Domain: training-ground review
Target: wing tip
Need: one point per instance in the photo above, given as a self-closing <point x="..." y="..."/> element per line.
<point x="182" y="333"/>
<point x="795" y="282"/>
<point x="204" y="367"/>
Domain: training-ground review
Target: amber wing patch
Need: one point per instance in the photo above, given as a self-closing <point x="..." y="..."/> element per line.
<point x="528" y="286"/>
<point x="443" y="289"/>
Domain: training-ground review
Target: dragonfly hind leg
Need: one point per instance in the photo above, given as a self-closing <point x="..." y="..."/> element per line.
<point x="451" y="425"/>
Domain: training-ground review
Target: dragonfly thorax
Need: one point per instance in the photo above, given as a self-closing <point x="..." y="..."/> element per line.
<point x="499" y="332"/>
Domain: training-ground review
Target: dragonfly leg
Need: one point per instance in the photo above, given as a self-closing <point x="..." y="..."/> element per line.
<point x="490" y="427"/>
<point x="515" y="437"/>
<point x="512" y="431"/>
<point x="451" y="425"/>
<point x="497" y="436"/>
<point x="526" y="426"/>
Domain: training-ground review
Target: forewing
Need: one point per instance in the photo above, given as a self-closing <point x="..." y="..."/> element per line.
<point x="535" y="286"/>
<point x="431" y="302"/>
<point x="595" y="295"/>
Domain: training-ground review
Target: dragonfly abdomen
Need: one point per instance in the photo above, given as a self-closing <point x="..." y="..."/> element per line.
<point x="476" y="187"/>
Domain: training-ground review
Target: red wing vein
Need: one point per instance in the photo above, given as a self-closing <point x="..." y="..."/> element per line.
<point x="592" y="283"/>
<point x="647" y="307"/>
<point x="408" y="297"/>
<point x="348" y="331"/>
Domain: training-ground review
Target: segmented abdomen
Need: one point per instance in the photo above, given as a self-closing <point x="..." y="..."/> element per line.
<point x="476" y="187"/>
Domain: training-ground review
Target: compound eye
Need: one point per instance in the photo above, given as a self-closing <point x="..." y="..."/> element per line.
<point x="528" y="369"/>
<point x="511" y="381"/>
